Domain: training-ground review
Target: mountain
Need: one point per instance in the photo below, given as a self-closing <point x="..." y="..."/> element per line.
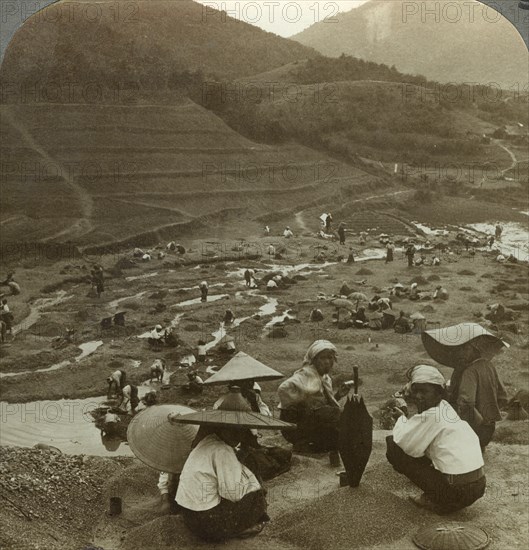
<point x="145" y="41"/>
<point x="460" y="42"/>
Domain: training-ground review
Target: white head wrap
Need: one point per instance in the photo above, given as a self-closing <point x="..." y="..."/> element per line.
<point x="317" y="347"/>
<point x="426" y="374"/>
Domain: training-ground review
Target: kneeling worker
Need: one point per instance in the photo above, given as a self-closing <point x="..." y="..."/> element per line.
<point x="307" y="399"/>
<point x="435" y="449"/>
<point x="220" y="497"/>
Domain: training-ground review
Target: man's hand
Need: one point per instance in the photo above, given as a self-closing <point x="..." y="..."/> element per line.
<point x="396" y="413"/>
<point x="343" y="390"/>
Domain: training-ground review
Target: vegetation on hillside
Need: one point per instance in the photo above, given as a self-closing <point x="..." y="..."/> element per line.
<point x="143" y="48"/>
<point x="353" y="108"/>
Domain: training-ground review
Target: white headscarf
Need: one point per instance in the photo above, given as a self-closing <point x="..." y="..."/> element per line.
<point x="317" y="347"/>
<point x="426" y="374"/>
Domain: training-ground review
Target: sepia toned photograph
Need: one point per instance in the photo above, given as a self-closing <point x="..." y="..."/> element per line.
<point x="264" y="274"/>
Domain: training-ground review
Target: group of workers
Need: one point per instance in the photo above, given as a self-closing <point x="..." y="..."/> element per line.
<point x="439" y="448"/>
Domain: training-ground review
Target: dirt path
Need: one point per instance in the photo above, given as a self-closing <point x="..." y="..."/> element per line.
<point x="301" y="222"/>
<point x="513" y="157"/>
<point x="79" y="227"/>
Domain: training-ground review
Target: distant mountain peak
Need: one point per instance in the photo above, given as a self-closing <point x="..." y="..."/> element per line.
<point x="443" y="40"/>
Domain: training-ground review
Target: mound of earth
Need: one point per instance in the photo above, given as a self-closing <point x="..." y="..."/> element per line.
<point x="51" y="500"/>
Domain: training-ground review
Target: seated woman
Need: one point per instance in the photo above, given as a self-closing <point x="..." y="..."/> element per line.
<point x="435" y="449"/>
<point x="220" y="497"/>
<point x="402" y="324"/>
<point x="360" y="319"/>
<point x="373" y="304"/>
<point x="307" y="400"/>
<point x="440" y="293"/>
<point x="195" y="384"/>
<point x="265" y="462"/>
<point x="316" y="316"/>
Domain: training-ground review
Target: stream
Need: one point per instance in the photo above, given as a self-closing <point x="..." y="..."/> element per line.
<point x="86" y="349"/>
<point x="36" y="308"/>
<point x="514" y="240"/>
<point x="67" y="424"/>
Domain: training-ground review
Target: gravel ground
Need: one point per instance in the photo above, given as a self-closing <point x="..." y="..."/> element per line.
<point x="51" y="500"/>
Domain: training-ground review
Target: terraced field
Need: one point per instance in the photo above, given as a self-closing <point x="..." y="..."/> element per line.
<point x="116" y="173"/>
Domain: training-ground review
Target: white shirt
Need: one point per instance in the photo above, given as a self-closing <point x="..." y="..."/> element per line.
<point x="201" y="350"/>
<point x="116" y="376"/>
<point x="271" y="284"/>
<point x="439" y="434"/>
<point x="156" y="334"/>
<point x="157" y="365"/>
<point x="5" y="308"/>
<point x="305" y="384"/>
<point x="126" y="392"/>
<point x="164" y="480"/>
<point x="211" y="472"/>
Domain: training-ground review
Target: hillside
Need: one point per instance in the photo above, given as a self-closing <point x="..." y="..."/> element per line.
<point x="355" y="108"/>
<point x="140" y="173"/>
<point x="451" y="47"/>
<point x="143" y="42"/>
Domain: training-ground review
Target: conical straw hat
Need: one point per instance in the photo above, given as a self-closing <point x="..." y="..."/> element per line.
<point x="159" y="443"/>
<point x="238" y="415"/>
<point x="452" y="535"/>
<point x="243" y="367"/>
<point x="448" y="345"/>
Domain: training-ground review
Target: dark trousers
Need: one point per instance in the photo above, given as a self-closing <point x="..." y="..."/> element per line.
<point x="319" y="427"/>
<point x="227" y="519"/>
<point x="410" y="261"/>
<point x="434" y="484"/>
<point x="485" y="433"/>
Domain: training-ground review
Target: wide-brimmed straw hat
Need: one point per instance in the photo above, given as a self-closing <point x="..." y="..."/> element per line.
<point x="159" y="443"/>
<point x="234" y="412"/>
<point x="243" y="367"/>
<point x="449" y="345"/>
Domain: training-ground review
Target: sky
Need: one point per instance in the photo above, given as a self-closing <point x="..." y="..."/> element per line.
<point x="283" y="17"/>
